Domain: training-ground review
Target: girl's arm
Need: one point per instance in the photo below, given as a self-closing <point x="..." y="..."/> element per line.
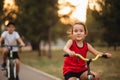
<point x="92" y="50"/>
<point x="95" y="52"/>
<point x="66" y="48"/>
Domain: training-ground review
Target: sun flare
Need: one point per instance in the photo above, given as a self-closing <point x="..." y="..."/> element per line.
<point x="9" y="5"/>
<point x="74" y="9"/>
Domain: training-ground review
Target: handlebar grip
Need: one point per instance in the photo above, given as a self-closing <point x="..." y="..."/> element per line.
<point x="104" y="56"/>
<point x="66" y="55"/>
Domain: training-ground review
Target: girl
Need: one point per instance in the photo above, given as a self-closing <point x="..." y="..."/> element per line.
<point x="73" y="67"/>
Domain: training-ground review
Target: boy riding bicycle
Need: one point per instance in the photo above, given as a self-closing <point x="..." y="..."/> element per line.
<point x="11" y="37"/>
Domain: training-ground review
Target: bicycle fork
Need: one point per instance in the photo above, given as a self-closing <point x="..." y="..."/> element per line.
<point x="8" y="69"/>
<point x="11" y="68"/>
<point x="90" y="75"/>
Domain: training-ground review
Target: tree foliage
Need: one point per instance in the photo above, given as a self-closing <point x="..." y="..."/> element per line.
<point x="1" y="11"/>
<point x="36" y="18"/>
<point x="93" y="27"/>
<point x="110" y="19"/>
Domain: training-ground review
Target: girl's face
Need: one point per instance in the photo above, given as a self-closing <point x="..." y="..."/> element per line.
<point x="79" y="32"/>
<point x="11" y="28"/>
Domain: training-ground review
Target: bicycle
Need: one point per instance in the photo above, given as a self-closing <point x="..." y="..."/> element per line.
<point x="11" y="65"/>
<point x="89" y="75"/>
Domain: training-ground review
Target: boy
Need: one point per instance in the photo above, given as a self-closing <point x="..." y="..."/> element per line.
<point x="11" y="37"/>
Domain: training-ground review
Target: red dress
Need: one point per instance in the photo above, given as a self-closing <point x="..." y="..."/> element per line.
<point x="74" y="64"/>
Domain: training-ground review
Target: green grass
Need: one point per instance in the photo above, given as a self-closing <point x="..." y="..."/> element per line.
<point x="109" y="69"/>
<point x="52" y="66"/>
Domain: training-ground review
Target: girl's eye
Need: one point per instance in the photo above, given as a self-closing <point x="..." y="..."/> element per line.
<point x="81" y="30"/>
<point x="78" y="30"/>
<point x="75" y="30"/>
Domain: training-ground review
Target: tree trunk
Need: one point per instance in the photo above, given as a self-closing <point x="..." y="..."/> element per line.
<point x="39" y="50"/>
<point x="115" y="47"/>
<point x="35" y="47"/>
<point x="49" y="43"/>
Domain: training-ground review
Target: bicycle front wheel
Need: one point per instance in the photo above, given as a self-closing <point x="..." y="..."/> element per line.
<point x="12" y="77"/>
<point x="89" y="77"/>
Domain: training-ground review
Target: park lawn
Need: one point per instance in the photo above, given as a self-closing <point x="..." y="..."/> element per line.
<point x="109" y="69"/>
<point x="51" y="66"/>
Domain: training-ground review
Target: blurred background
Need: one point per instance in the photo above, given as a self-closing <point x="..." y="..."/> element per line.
<point x="42" y="25"/>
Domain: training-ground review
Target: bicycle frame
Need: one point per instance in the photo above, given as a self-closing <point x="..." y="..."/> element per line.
<point x="89" y="75"/>
<point x="11" y="65"/>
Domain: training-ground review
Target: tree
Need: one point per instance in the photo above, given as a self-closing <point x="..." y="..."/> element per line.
<point x="8" y="12"/>
<point x="110" y="19"/>
<point x="93" y="27"/>
<point x="1" y="12"/>
<point x="37" y="18"/>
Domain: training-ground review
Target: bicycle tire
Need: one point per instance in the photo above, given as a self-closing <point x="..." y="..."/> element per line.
<point x="12" y="77"/>
<point x="89" y="77"/>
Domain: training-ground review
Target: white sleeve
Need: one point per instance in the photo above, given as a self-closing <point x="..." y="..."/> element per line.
<point x="3" y="34"/>
<point x="17" y="35"/>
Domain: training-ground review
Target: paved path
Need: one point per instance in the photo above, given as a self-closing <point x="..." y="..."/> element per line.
<point x="2" y="75"/>
<point x="29" y="73"/>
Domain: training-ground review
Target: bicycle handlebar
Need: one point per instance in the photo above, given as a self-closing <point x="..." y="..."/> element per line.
<point x="11" y="46"/>
<point x="86" y="59"/>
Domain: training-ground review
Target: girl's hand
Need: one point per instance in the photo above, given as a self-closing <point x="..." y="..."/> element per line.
<point x="71" y="53"/>
<point x="108" y="55"/>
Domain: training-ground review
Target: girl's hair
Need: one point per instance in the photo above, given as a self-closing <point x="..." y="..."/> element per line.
<point x="70" y="31"/>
